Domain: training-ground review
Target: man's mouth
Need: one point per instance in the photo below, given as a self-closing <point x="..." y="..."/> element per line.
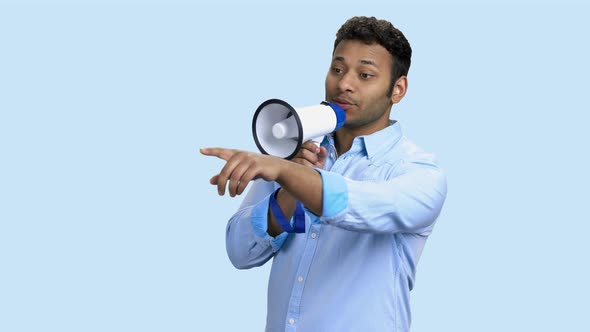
<point x="344" y="103"/>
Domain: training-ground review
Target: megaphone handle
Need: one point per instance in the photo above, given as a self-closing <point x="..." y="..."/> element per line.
<point x="317" y="140"/>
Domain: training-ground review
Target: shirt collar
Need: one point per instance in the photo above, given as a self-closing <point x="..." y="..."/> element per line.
<point x="383" y="139"/>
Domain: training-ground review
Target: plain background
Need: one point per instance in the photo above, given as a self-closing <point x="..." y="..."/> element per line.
<point x="107" y="220"/>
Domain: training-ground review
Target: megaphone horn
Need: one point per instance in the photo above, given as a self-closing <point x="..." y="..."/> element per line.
<point x="280" y="129"/>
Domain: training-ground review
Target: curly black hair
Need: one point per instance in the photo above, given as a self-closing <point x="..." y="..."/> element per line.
<point x="371" y="30"/>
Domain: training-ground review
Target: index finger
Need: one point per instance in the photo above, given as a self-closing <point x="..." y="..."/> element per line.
<point x="311" y="146"/>
<point x="221" y="153"/>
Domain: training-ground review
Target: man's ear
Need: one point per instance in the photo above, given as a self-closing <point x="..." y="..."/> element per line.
<point x="399" y="89"/>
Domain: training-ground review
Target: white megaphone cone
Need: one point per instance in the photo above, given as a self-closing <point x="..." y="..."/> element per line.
<point x="279" y="129"/>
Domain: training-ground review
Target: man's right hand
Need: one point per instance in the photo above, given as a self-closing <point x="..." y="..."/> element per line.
<point x="311" y="155"/>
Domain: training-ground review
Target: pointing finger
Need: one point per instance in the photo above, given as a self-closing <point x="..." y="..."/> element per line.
<point x="213" y="180"/>
<point x="221" y="153"/>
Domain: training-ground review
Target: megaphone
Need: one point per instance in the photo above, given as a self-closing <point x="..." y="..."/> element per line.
<point x="279" y="129"/>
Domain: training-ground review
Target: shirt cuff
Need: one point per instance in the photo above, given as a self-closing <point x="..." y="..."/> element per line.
<point x="259" y="220"/>
<point x="334" y="195"/>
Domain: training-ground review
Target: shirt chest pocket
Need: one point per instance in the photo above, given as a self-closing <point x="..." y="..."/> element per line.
<point x="380" y="171"/>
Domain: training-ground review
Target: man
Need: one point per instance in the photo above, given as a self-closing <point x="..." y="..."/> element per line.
<point x="370" y="199"/>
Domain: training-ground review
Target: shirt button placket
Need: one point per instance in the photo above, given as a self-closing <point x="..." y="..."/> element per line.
<point x="300" y="280"/>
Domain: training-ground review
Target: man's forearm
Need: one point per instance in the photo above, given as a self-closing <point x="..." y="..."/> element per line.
<point x="287" y="204"/>
<point x="300" y="183"/>
<point x="304" y="184"/>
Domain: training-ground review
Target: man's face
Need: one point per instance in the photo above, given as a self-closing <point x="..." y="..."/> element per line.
<point x="358" y="81"/>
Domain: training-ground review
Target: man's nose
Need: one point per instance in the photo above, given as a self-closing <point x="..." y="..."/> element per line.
<point x="346" y="82"/>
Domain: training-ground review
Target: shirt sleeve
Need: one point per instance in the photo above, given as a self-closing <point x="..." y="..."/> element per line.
<point x="407" y="203"/>
<point x="247" y="242"/>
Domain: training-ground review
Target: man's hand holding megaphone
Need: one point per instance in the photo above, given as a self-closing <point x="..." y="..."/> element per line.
<point x="311" y="155"/>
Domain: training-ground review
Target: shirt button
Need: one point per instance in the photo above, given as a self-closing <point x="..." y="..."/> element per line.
<point x="291" y="321"/>
<point x="300" y="279"/>
<point x="314" y="235"/>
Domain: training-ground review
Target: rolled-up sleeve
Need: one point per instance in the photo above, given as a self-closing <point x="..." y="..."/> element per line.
<point x="409" y="202"/>
<point x="247" y="242"/>
<point x="334" y="195"/>
<point x="259" y="220"/>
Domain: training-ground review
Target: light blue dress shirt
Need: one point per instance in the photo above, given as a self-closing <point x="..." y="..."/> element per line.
<point x="354" y="267"/>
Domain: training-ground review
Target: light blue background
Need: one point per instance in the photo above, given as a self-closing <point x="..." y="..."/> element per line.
<point x="107" y="220"/>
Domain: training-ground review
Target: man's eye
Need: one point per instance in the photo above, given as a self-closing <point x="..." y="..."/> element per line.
<point x="366" y="76"/>
<point x="336" y="70"/>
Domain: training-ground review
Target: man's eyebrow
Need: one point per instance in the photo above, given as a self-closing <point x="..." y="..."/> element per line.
<point x="362" y="61"/>
<point x="369" y="63"/>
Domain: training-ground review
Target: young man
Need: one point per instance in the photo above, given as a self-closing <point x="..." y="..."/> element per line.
<point x="370" y="199"/>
